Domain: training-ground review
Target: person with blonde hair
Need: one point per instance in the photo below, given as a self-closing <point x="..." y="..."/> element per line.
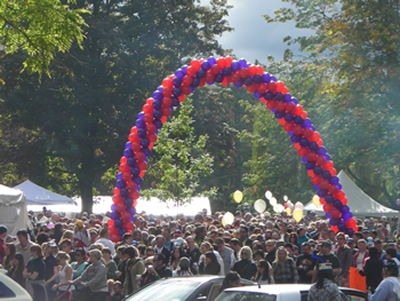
<point x="284" y="268"/>
<point x="246" y="267"/>
<point x="94" y="279"/>
<point x="64" y="275"/>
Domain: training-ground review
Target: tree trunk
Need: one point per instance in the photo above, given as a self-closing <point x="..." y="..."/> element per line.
<point x="86" y="177"/>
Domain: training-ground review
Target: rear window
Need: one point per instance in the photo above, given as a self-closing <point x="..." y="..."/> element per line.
<point x="245" y="296"/>
<point x="5" y="292"/>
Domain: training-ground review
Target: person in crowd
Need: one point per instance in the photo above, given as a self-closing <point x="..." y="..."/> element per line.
<point x="270" y="251"/>
<point x="159" y="268"/>
<point x="361" y="256"/>
<point x="3" y="235"/>
<point x="34" y="273"/>
<point x="193" y="253"/>
<point x="161" y="249"/>
<point x="81" y="235"/>
<point x="17" y="269"/>
<point x="210" y="265"/>
<point x="177" y="253"/>
<point x="373" y="270"/>
<point x="391" y="254"/>
<point x="110" y="264"/>
<point x="305" y="264"/>
<point x="325" y="289"/>
<point x="24" y="244"/>
<point x="9" y="253"/>
<point x="293" y="239"/>
<point x="263" y="275"/>
<point x="122" y="260"/>
<point x="67" y="247"/>
<point x="345" y="256"/>
<point x="232" y="279"/>
<point x="134" y="267"/>
<point x="117" y="289"/>
<point x="80" y="263"/>
<point x="326" y="255"/>
<point x="93" y="279"/>
<point x="49" y="250"/>
<point x="246" y="267"/>
<point x="226" y="254"/>
<point x="389" y="288"/>
<point x="65" y="274"/>
<point x="236" y="247"/>
<point x="284" y="268"/>
<point x="183" y="269"/>
<point x="207" y="247"/>
<point x="105" y="240"/>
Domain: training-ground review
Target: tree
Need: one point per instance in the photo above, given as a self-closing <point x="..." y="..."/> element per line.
<point x="39" y="29"/>
<point x="179" y="160"/>
<point x="83" y="113"/>
<point x="358" y="43"/>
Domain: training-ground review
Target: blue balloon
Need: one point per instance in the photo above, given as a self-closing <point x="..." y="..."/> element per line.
<point x="334" y="221"/>
<point x="317" y="170"/>
<point x="195" y="82"/>
<point x="342" y="227"/>
<point x="132" y="211"/>
<point x="211" y="60"/>
<point x="205" y="65"/>
<point x="176" y="81"/>
<point x="122" y="231"/>
<point x="119" y="176"/>
<point x="288" y="117"/>
<point x="326" y="175"/>
<point x="350" y="232"/>
<point x="128" y="202"/>
<point x="328" y="215"/>
<point x="266" y="78"/>
<point x="176" y="92"/>
<point x="141" y="133"/>
<point x="135" y="171"/>
<point x="306" y="123"/>
<point x="226" y="71"/>
<point x="248" y="81"/>
<point x="180" y="73"/>
<point x="329" y="198"/>
<point x="145" y="142"/>
<point x="257" y="94"/>
<point x="310" y="165"/>
<point x="175" y="102"/>
<point x="304" y="142"/>
<point x="113" y="208"/>
<point x="314" y="146"/>
<point x="158" y="124"/>
<point x="258" y="79"/>
<point x="219" y="78"/>
<point x="242" y="63"/>
<point x="120" y="184"/>
<point x="295" y="138"/>
<point x="201" y="73"/>
<point x="157" y="114"/>
<point x="235" y="66"/>
<point x="304" y="159"/>
<point x="345" y="209"/>
<point x="118" y="223"/>
<point x="140" y="115"/>
<point x="157" y="95"/>
<point x="298" y="120"/>
<point x="114" y="215"/>
<point x="268" y="95"/>
<point x="140" y="124"/>
<point x="279" y="115"/>
<point x="128" y="153"/>
<point x="334" y="180"/>
<point x="321" y="151"/>
<point x="131" y="162"/>
<point x="346" y="216"/>
<point x="322" y="193"/>
<point x="337" y="204"/>
<point x="278" y="96"/>
<point x="124" y="192"/>
<point x="287" y="98"/>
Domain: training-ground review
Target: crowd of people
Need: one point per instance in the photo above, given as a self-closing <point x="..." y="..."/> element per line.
<point x="62" y="255"/>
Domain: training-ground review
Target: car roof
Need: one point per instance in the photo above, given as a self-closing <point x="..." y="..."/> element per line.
<point x="271" y="288"/>
<point x="200" y="279"/>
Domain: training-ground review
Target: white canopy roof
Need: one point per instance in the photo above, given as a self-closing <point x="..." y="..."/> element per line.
<point x="36" y="195"/>
<point x="13" y="209"/>
<point x="360" y="203"/>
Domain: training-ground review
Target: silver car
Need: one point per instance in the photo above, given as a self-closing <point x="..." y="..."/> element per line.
<point x="182" y="289"/>
<point x="281" y="292"/>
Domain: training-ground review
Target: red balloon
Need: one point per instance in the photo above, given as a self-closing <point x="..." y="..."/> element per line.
<point x="243" y="73"/>
<point x="322" y="201"/>
<point x="148" y="118"/>
<point x="167" y="82"/>
<point x="128" y="225"/>
<point x="126" y="177"/>
<point x="314" y="137"/>
<point x="303" y="151"/>
<point x="297" y="145"/>
<point x="215" y="69"/>
<point x="167" y="91"/>
<point x="167" y="102"/>
<point x="252" y="70"/>
<point x="324" y="184"/>
<point x="311" y="156"/>
<point x="115" y="238"/>
<point x="321" y="160"/>
<point x="152" y="137"/>
<point x="131" y="187"/>
<point x="134" y="195"/>
<point x="288" y="126"/>
<point x="135" y="146"/>
<point x="311" y="173"/>
<point x="125" y="216"/>
<point x="123" y="160"/>
<point x="113" y="230"/>
<point x="195" y="64"/>
<point x="117" y="199"/>
<point x="228" y="61"/>
<point x="110" y="222"/>
<point x="351" y="223"/>
<point x="281" y="106"/>
<point x="221" y="63"/>
<point x="124" y="168"/>
<point x="290" y="107"/>
<point x="328" y="207"/>
<point x="340" y="195"/>
<point x="120" y="208"/>
<point x="327" y="165"/>
<point x="298" y="130"/>
<point x="272" y="86"/>
<point x="316" y="180"/>
<point x="235" y="77"/>
<point x="262" y="88"/>
<point x="335" y="213"/>
<point x="282" y="121"/>
<point x="272" y="104"/>
<point x="191" y="71"/>
<point x="150" y="127"/>
<point x="333" y="189"/>
<point x="133" y="138"/>
<point x="141" y="165"/>
<point x="116" y="191"/>
<point x="149" y="100"/>
<point x="308" y="133"/>
<point x="139" y="156"/>
<point x="298" y="110"/>
<point x="335" y="229"/>
<point x="166" y="111"/>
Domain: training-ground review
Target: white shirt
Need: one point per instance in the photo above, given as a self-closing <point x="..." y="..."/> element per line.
<point x="107" y="243"/>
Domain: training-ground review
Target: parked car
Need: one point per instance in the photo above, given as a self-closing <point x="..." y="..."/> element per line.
<point x="182" y="289"/>
<point x="10" y="290"/>
<point x="281" y="292"/>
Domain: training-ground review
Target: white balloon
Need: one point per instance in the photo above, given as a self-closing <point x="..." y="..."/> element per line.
<point x="290" y="205"/>
<point x="299" y="205"/>
<point x="285" y="198"/>
<point x="260" y="206"/>
<point x="273" y="201"/>
<point x="227" y="219"/>
<point x="268" y="195"/>
<point x="280" y="208"/>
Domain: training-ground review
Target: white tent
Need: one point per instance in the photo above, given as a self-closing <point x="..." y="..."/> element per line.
<point x="360" y="203"/>
<point x="13" y="209"/>
<point x="36" y="195"/>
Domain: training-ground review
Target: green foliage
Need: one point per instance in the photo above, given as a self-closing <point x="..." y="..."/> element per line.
<point x="179" y="160"/>
<point x="39" y="29"/>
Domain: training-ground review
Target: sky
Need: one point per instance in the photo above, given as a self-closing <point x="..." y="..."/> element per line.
<point x="253" y="38"/>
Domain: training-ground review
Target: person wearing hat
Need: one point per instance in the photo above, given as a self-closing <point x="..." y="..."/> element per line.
<point x="325" y="289"/>
<point x="183" y="269"/>
<point x="3" y="235"/>
<point x="361" y="256"/>
<point x="326" y="256"/>
<point x="81" y="235"/>
<point x="389" y="288"/>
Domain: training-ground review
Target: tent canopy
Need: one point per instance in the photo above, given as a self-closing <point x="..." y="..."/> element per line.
<point x="360" y="203"/>
<point x="36" y="195"/>
<point x="13" y="209"/>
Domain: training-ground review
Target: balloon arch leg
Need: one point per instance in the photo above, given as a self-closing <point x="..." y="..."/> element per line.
<point x="263" y="86"/>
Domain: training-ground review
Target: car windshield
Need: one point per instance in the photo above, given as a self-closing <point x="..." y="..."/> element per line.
<point x="245" y="296"/>
<point x="165" y="290"/>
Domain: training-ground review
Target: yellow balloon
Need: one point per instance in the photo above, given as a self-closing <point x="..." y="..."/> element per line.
<point x="238" y="196"/>
<point x="316" y="201"/>
<point x="297" y="214"/>
<point x="288" y="211"/>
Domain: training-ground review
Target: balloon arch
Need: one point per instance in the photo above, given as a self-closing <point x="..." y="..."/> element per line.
<point x="263" y="86"/>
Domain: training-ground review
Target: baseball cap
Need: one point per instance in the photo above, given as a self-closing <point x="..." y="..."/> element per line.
<point x="3" y="229"/>
<point x="326" y="243"/>
<point x="79" y="223"/>
<point x="392" y="267"/>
